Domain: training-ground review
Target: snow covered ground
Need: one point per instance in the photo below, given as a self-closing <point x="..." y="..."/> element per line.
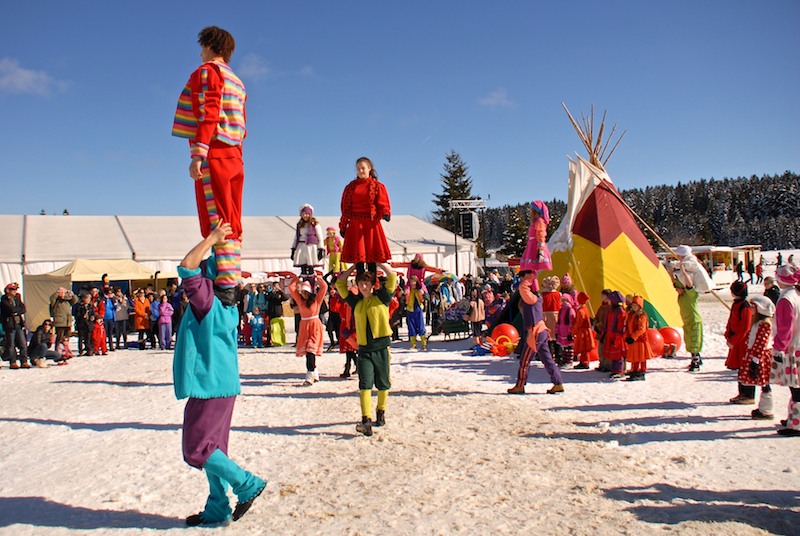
<point x="95" y="448"/>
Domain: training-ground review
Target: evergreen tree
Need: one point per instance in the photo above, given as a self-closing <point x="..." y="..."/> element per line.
<point x="456" y="184"/>
<point x="515" y="237"/>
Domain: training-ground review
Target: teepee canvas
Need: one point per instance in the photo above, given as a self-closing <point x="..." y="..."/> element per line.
<point x="601" y="246"/>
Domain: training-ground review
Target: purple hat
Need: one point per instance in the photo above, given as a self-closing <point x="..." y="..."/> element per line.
<point x="307" y="208"/>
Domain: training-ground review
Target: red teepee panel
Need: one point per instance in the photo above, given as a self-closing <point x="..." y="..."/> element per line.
<point x="603" y="218"/>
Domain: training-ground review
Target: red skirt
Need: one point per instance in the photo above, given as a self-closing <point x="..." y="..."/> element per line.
<point x="365" y="241"/>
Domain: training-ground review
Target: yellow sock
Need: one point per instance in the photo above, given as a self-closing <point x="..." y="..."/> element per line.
<point x="383" y="396"/>
<point x="366" y="402"/>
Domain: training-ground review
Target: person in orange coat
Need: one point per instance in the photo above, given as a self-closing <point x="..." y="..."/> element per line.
<point x="309" y="334"/>
<point x="141" y="319"/>
<point x="582" y="333"/>
<point x="736" y="335"/>
<point x="639" y="350"/>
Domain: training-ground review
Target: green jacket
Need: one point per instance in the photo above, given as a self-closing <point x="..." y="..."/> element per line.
<point x="61" y="309"/>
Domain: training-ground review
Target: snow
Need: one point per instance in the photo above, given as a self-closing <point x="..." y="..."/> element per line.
<point x="95" y="448"/>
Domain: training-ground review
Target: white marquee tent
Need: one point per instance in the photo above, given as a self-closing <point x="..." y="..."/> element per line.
<point x="42" y="244"/>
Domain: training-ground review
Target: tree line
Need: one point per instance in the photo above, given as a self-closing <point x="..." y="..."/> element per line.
<point x="729" y="212"/>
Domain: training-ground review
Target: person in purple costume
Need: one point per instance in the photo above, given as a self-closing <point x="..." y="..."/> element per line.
<point x="206" y="371"/>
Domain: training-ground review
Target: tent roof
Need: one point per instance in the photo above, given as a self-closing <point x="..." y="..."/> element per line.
<point x="11" y="243"/>
<point x="159" y="238"/>
<point x="93" y="270"/>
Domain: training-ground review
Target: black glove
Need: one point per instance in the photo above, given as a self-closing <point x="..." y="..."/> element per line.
<point x="569" y="338"/>
<point x="629" y="340"/>
<point x="387" y="217"/>
<point x="292" y="255"/>
<point x="342" y="233"/>
<point x="755" y="368"/>
<point x="320" y="253"/>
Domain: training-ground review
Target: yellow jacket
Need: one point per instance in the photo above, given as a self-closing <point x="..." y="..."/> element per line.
<point x="376" y="308"/>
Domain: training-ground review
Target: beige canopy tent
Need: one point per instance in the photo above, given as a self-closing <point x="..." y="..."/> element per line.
<point x="39" y="288"/>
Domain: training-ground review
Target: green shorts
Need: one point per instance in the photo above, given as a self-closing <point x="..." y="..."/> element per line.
<point x="373" y="369"/>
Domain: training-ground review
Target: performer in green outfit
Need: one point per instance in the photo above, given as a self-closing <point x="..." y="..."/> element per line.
<point x="692" y="321"/>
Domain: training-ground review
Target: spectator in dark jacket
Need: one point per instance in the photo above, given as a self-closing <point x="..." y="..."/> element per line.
<point x="84" y="324"/>
<point x="771" y="290"/>
<point x="39" y="347"/>
<point x="12" y="312"/>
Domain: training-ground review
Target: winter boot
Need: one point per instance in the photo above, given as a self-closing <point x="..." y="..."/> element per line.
<point x="365" y="426"/>
<point x="559" y="388"/>
<point x="793" y="421"/>
<point x="695" y="364"/>
<point x="309" y="379"/>
<point x="316" y="375"/>
<point x="424" y="342"/>
<point x="517" y="390"/>
<point x="346" y="373"/>
<point x="380" y="417"/>
<point x="245" y="485"/>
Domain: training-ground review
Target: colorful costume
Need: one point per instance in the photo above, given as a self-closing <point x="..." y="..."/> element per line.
<point x="535" y="332"/>
<point x="759" y="352"/>
<point x="692" y="322"/>
<point x="537" y="256"/>
<point x="639" y="350"/>
<point x="415" y="317"/>
<point x="257" y="330"/>
<point x="307" y="249"/>
<point x="566" y="319"/>
<point x="211" y="114"/>
<point x="582" y="333"/>
<point x="738" y="327"/>
<point x="206" y="371"/>
<point x="614" y="330"/>
<point x="333" y="246"/>
<point x="309" y="333"/>
<point x="364" y="203"/>
<point x="373" y="333"/>
<point x="786" y="345"/>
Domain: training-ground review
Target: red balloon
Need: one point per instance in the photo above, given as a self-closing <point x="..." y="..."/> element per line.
<point x="507" y="331"/>
<point x="671" y="336"/>
<point x="656" y="341"/>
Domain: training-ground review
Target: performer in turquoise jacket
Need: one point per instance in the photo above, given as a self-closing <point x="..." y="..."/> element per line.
<point x="206" y="371"/>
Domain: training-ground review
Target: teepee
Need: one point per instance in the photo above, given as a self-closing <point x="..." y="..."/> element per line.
<point x="599" y="242"/>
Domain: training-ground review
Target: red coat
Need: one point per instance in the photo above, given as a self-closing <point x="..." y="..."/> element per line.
<point x="736" y="333"/>
<point x="364" y="203"/>
<point x="582" y="333"/>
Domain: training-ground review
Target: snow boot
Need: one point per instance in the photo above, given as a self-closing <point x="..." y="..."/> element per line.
<point x="555" y="389"/>
<point x="793" y="421"/>
<point x="380" y="417"/>
<point x="316" y="375"/>
<point x="695" y="364"/>
<point x="245" y="485"/>
<point x="365" y="426"/>
<point x="757" y="415"/>
<point x="309" y="379"/>
<point x="517" y="390"/>
<point x="742" y="400"/>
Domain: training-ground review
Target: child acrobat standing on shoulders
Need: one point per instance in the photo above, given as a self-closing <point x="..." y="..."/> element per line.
<point x="371" y="311"/>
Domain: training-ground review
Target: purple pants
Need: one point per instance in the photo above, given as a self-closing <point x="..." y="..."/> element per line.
<point x="206" y="428"/>
<point x="543" y="351"/>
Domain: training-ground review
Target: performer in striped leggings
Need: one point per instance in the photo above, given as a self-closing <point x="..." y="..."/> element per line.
<point x="211" y="114"/>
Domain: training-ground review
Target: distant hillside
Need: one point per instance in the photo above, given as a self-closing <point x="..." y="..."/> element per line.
<point x="727" y="212"/>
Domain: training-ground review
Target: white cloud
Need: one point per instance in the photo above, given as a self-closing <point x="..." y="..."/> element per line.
<point x="307" y="71"/>
<point x="17" y="80"/>
<point x="253" y="67"/>
<point x="497" y="98"/>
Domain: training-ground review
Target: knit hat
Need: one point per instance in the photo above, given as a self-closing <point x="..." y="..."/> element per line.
<point x="683" y="250"/>
<point x="329" y="229"/>
<point x="638" y="300"/>
<point x="566" y="280"/>
<point x="786" y="274"/>
<point x="583" y="298"/>
<point x="306" y="286"/>
<point x="616" y="297"/>
<point x="739" y="289"/>
<point x="307" y="208"/>
<point x="764" y="305"/>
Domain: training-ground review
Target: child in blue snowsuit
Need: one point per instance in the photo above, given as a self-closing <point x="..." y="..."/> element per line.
<point x="206" y="371"/>
<point x="257" y="328"/>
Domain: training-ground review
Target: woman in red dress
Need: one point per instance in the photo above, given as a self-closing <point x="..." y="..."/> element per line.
<point x="364" y="203"/>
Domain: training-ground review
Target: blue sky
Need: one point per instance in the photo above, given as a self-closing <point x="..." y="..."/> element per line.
<point x="88" y="91"/>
